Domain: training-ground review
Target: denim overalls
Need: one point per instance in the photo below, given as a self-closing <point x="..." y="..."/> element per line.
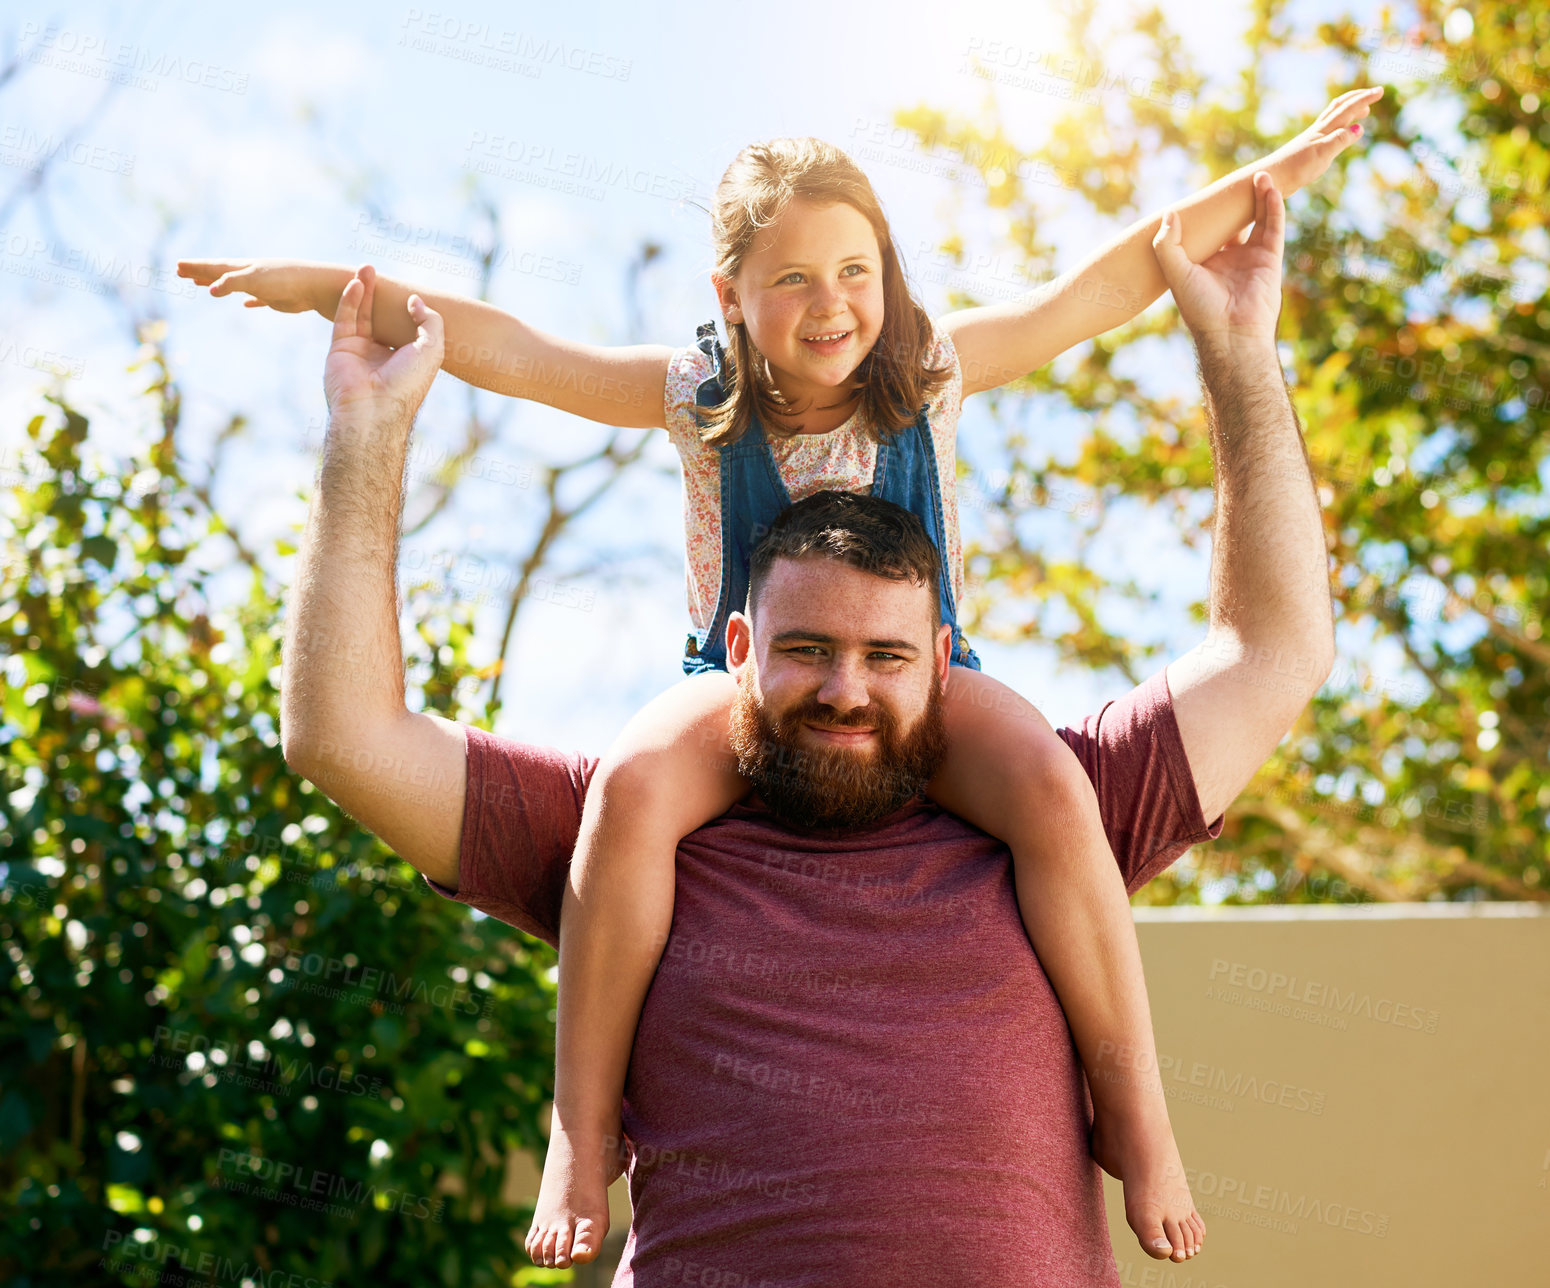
<point x="752" y="494"/>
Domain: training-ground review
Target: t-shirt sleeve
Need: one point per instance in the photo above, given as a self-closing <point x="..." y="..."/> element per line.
<point x="521" y="815"/>
<point x="1134" y="754"/>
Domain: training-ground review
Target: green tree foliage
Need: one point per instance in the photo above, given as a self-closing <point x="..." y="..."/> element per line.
<point x="238" y="1037"/>
<point x="1415" y="329"/>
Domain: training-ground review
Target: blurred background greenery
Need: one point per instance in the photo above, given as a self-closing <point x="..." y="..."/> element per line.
<point x="1416" y="338"/>
<point x="234" y="1026"/>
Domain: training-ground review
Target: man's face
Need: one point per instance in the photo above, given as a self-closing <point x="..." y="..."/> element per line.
<point x="838" y="718"/>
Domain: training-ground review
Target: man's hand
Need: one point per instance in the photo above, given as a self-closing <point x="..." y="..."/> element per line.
<point x="285" y="285"/>
<point x="1233" y="298"/>
<point x="362" y="378"/>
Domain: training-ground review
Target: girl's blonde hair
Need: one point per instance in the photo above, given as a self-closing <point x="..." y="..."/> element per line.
<point x="757" y="188"/>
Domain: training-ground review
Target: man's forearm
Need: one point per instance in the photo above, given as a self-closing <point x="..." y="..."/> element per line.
<point x="343" y="662"/>
<point x="1269" y="564"/>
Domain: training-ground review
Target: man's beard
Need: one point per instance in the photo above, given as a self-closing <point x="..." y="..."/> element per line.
<point x="826" y="787"/>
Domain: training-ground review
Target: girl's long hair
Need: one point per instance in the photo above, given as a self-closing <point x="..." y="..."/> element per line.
<point x="757" y="188"/>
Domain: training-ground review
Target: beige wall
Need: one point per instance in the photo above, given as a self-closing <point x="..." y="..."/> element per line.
<point x="1359" y="1094"/>
<point x="1395" y="1080"/>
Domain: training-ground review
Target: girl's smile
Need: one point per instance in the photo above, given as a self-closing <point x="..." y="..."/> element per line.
<point x="829" y="343"/>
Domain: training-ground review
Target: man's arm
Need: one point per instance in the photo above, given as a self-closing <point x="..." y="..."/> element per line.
<point x="343" y="722"/>
<point x="1270" y="642"/>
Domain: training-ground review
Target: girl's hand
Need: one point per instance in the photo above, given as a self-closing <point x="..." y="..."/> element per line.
<point x="1301" y="161"/>
<point x="285" y="285"/>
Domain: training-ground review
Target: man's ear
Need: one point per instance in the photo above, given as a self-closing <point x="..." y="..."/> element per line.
<point x="726" y="297"/>
<point x="944" y="652"/>
<point x="739" y="643"/>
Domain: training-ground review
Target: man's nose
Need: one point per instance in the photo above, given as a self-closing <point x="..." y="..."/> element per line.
<point x="844" y="687"/>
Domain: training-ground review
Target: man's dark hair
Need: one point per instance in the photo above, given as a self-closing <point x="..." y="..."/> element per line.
<point x="865" y="532"/>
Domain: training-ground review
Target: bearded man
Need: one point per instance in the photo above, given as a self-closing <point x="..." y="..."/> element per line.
<point x="850" y="1067"/>
<point x="850" y="1062"/>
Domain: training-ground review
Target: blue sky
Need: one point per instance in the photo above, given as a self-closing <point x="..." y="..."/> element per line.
<point x="354" y="132"/>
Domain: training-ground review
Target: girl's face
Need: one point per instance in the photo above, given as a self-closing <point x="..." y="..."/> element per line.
<point x="810" y="292"/>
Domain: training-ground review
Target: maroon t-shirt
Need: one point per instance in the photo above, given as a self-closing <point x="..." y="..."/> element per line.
<point x="850" y="1067"/>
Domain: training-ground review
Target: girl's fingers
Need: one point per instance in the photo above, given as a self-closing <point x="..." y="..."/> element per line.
<point x="1349" y="107"/>
<point x="1351" y="112"/>
<point x="204" y="271"/>
<point x="1337" y="141"/>
<point x="1354" y="112"/>
<point x="230" y="281"/>
<point x="1337" y="110"/>
<point x="1334" y="109"/>
<point x="1368" y="95"/>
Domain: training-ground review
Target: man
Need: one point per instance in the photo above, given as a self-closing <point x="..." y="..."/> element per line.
<point x="850" y="1067"/>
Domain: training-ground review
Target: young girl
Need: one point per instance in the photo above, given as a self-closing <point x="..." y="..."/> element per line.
<point x="834" y="377"/>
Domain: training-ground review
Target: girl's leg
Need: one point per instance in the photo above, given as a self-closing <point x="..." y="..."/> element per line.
<point x="1010" y="774"/>
<point x="668" y="773"/>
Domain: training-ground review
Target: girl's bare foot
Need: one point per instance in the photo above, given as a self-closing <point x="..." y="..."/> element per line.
<point x="572" y="1213"/>
<point x="1158" y="1207"/>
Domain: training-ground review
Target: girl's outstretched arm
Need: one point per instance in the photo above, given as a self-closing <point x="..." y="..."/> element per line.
<point x="1003" y="342"/>
<point x="486" y="346"/>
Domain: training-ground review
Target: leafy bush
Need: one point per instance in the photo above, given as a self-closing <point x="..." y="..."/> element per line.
<point x="239" y="1038"/>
